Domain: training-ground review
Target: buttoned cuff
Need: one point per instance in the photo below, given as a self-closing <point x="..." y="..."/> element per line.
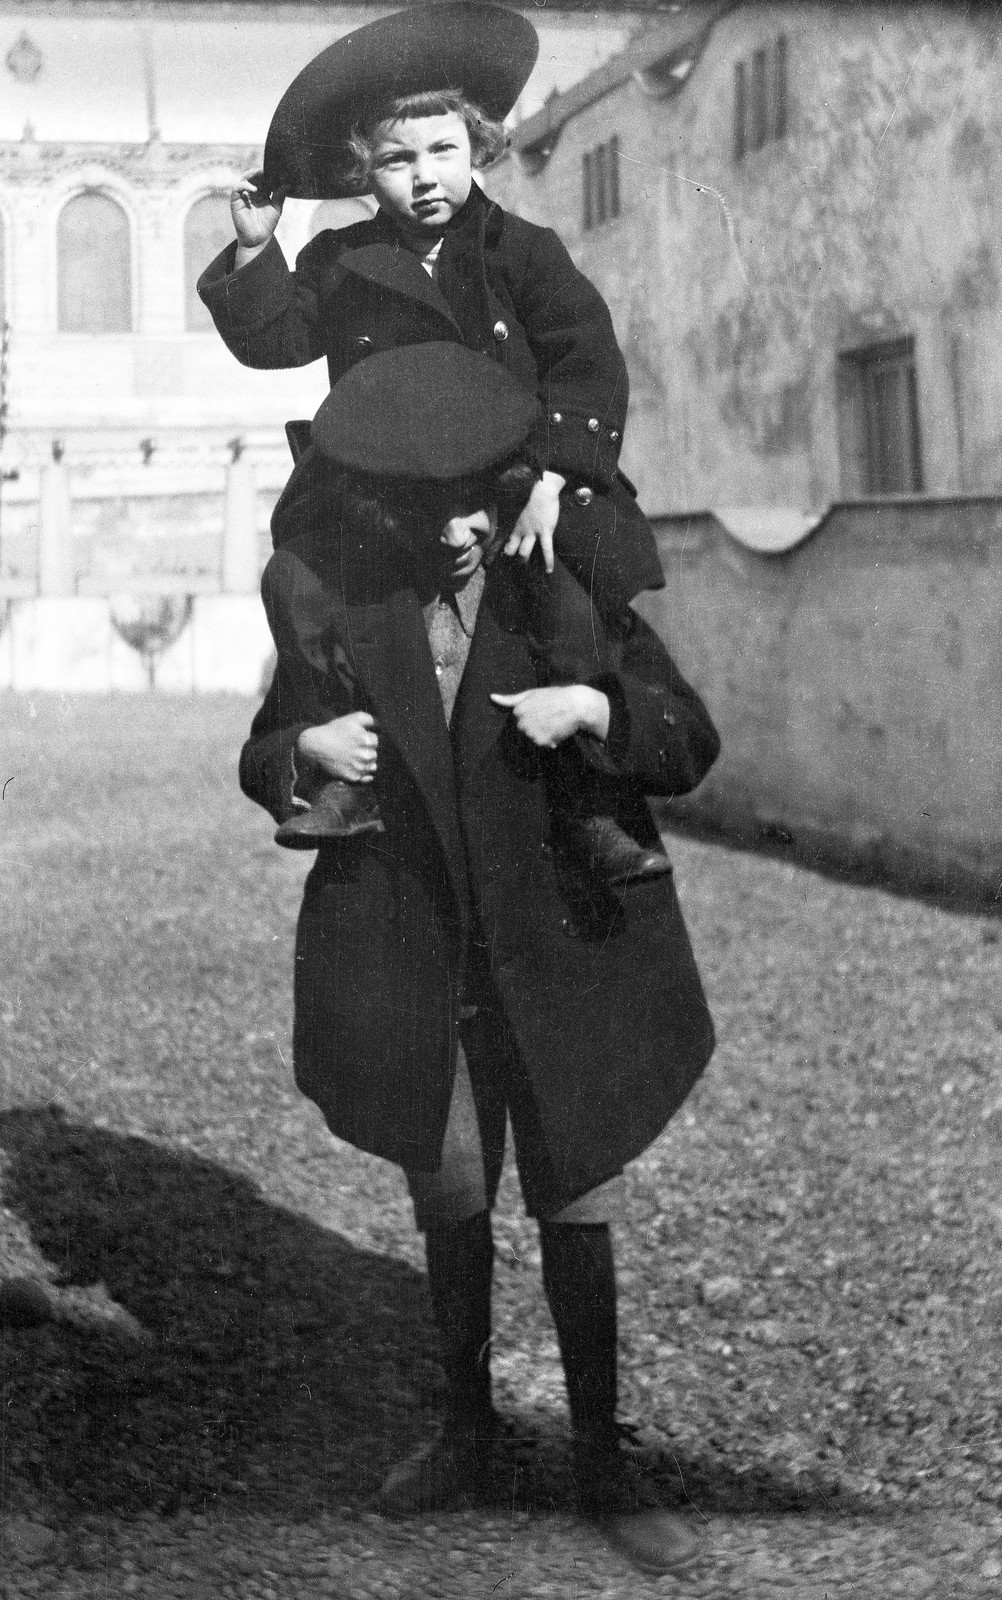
<point x="578" y="445"/>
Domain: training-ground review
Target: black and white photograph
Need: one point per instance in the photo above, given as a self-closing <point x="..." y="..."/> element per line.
<point x="500" y="800"/>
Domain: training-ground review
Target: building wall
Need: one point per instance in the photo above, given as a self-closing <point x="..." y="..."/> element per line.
<point x="856" y="682"/>
<point x="735" y="286"/>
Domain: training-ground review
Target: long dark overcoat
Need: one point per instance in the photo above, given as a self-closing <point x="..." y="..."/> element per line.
<point x="505" y="287"/>
<point x="605" y="1002"/>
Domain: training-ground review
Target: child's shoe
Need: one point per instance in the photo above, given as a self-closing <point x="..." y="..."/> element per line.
<point x="338" y="811"/>
<point x="609" y="852"/>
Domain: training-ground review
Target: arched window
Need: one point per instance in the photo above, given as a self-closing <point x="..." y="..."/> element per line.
<point x="208" y="227"/>
<point x="94" y="253"/>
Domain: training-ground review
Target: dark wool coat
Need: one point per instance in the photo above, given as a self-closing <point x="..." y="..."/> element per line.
<point x="604" y="1001"/>
<point x="505" y="287"/>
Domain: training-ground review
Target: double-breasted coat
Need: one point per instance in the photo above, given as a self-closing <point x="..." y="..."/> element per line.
<point x="505" y="287"/>
<point x="603" y="1000"/>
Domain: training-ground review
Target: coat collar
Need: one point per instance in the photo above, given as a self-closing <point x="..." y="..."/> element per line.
<point x="388" y="264"/>
<point x="384" y="260"/>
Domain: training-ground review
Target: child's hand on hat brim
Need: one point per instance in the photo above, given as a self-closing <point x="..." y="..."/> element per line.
<point x="255" y="210"/>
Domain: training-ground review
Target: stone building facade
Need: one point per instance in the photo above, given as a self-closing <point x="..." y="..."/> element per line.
<point x="123" y="124"/>
<point x="794" y="212"/>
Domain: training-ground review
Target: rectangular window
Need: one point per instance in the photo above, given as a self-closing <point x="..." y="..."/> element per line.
<point x="882" y="397"/>
<point x="600" y="184"/>
<point x="761" y="98"/>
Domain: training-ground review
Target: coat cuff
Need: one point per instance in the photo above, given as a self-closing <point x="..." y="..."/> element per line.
<point x="248" y="297"/>
<point x="268" y="772"/>
<point x="578" y="444"/>
<point x="608" y="755"/>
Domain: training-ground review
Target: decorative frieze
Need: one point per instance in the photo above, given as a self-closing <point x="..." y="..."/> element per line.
<point x="154" y="165"/>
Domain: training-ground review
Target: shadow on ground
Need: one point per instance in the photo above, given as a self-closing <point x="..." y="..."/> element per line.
<point x="270" y="1363"/>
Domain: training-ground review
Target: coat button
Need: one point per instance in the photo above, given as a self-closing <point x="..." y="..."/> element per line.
<point x="592" y="424"/>
<point x="584" y="496"/>
<point x="363" y="342"/>
<point x="556" y="416"/>
<point x="614" y="434"/>
<point x="500" y="331"/>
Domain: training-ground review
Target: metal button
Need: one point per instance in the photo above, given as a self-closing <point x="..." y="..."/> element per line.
<point x="500" y="331"/>
<point x="439" y="669"/>
<point x="592" y="424"/>
<point x="584" y="496"/>
<point x="363" y="342"/>
<point x="556" y="416"/>
<point x="614" y="434"/>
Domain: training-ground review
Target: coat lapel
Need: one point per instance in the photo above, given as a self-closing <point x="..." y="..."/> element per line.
<point x="387" y="644"/>
<point x="394" y="268"/>
<point x="499" y="662"/>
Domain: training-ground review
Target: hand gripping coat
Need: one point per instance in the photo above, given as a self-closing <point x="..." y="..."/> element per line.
<point x="603" y="999"/>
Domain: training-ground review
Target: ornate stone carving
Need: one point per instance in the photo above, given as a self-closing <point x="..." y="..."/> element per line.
<point x="144" y="166"/>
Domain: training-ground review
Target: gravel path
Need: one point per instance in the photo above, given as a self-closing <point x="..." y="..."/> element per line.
<point x="237" y="1341"/>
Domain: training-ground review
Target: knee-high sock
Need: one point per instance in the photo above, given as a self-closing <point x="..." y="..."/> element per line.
<point x="460" y="1268"/>
<point x="580" y="1282"/>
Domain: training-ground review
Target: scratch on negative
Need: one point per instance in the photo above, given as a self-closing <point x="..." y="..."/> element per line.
<point x="700" y="188"/>
<point x="706" y="188"/>
<point x="887" y="124"/>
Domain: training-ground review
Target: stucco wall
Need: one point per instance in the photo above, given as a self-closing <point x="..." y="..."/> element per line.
<point x="856" y="681"/>
<point x="734" y="286"/>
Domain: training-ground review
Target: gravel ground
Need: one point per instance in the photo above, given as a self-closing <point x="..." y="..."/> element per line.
<point x="235" y="1341"/>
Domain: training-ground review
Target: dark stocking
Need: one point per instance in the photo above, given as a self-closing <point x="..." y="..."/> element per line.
<point x="580" y="1282"/>
<point x="460" y="1268"/>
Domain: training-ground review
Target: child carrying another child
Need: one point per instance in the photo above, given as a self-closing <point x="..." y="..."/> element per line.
<point x="453" y="975"/>
<point x="404" y="109"/>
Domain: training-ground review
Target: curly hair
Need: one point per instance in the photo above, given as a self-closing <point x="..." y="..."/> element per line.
<point x="488" y="138"/>
<point x="410" y="514"/>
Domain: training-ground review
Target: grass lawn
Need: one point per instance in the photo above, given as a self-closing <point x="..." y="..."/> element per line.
<point x="812" y="1291"/>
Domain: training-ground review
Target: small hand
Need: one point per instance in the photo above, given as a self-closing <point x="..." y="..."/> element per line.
<point x="549" y="716"/>
<point x="347" y="747"/>
<point x="537" y="520"/>
<point x="255" y="210"/>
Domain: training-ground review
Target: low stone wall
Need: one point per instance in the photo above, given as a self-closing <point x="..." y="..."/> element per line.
<point x="175" y="644"/>
<point x="856" y="680"/>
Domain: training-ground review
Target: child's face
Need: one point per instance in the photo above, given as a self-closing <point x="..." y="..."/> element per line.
<point x="422" y="173"/>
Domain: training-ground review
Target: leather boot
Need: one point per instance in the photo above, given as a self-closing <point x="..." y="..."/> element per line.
<point x="339" y="811"/>
<point x="600" y="845"/>
<point x="613" y="1494"/>
<point x="447" y="1474"/>
<point x="450" y="1471"/>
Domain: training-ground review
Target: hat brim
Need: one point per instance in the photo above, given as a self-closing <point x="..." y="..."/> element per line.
<point x="427" y="413"/>
<point x="487" y="51"/>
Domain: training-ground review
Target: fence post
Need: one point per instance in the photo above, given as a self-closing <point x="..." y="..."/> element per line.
<point x="240" y="574"/>
<point x="56" y="575"/>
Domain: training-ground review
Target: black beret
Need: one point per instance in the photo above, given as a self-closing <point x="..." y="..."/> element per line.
<point x="431" y="412"/>
<point x="486" y="51"/>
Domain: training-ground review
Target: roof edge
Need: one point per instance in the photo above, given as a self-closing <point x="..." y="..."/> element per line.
<point x="655" y="49"/>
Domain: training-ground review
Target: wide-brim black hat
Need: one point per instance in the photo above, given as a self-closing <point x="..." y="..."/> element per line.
<point x="428" y="413"/>
<point x="486" y="51"/>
